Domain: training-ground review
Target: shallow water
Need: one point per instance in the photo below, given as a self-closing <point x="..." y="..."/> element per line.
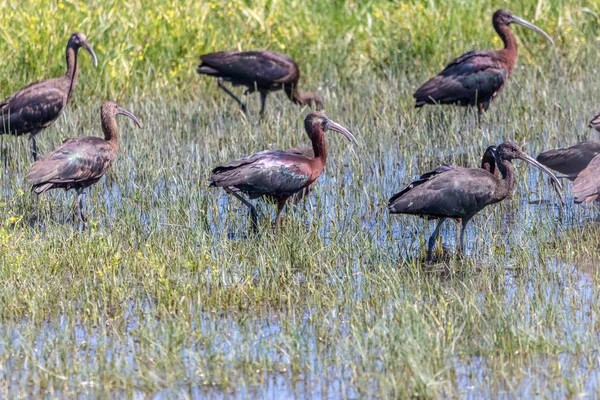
<point x="337" y="318"/>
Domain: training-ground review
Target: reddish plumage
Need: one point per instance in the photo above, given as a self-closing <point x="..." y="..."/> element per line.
<point x="261" y="71"/>
<point x="586" y="187"/>
<point x="80" y="162"/>
<point x="476" y="77"/>
<point x="37" y="105"/>
<point x="278" y="174"/>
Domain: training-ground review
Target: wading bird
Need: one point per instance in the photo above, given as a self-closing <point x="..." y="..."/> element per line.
<point x="460" y="193"/>
<point x="571" y="160"/>
<point x="278" y="174"/>
<point x="37" y="105"/>
<point x="80" y="162"/>
<point x="476" y="77"/>
<point x="595" y="122"/>
<point x="586" y="187"/>
<point x="260" y="71"/>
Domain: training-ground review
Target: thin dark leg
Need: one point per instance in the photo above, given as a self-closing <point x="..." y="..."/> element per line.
<point x="78" y="212"/>
<point x="280" y="206"/>
<point x="263" y="100"/>
<point x="253" y="212"/>
<point x="479" y="112"/>
<point x="432" y="239"/>
<point x="461" y="245"/>
<point x="229" y="92"/>
<point x="34" y="149"/>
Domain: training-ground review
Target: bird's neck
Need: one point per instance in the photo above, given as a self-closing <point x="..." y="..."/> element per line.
<point x="72" y="69"/>
<point x="507" y="171"/>
<point x="111" y="130"/>
<point x="510" y="43"/>
<point x="317" y="137"/>
<point x="304" y="98"/>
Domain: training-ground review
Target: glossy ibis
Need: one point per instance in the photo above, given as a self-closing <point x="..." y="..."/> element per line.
<point x="37" y="105"/>
<point x="571" y="160"/>
<point x="460" y="193"/>
<point x="595" y="122"/>
<point x="278" y="174"/>
<point x="476" y="77"/>
<point x="260" y="71"/>
<point x="80" y="162"/>
<point x="586" y="187"/>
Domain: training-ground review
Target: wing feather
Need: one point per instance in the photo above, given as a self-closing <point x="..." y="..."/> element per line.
<point x="32" y="108"/>
<point x="76" y="162"/>
<point x="474" y="77"/>
<point x="586" y="187"/>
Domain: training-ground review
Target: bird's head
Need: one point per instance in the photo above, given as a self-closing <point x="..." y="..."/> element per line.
<point x="510" y="151"/>
<point x="110" y="109"/>
<point x="505" y="17"/>
<point x="318" y="121"/>
<point x="78" y="40"/>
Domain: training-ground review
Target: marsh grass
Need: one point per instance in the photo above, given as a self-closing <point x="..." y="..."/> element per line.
<point x="166" y="292"/>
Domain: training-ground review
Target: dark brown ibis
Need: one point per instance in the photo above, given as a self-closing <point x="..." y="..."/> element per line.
<point x="260" y="71"/>
<point x="595" y="122"/>
<point x="476" y="77"/>
<point x="572" y="160"/>
<point x="460" y="193"/>
<point x="80" y="162"/>
<point x="37" y="105"/>
<point x="586" y="187"/>
<point x="278" y="174"/>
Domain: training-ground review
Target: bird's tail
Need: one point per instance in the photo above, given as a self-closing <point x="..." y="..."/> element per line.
<point x="39" y="189"/>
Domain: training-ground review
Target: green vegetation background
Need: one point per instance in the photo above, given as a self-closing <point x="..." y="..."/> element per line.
<point x="143" y="45"/>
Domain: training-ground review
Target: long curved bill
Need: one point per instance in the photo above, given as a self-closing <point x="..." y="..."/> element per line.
<point x="526" y="24"/>
<point x="89" y="49"/>
<point x="555" y="182"/>
<point x="338" y="128"/>
<point x="126" y="113"/>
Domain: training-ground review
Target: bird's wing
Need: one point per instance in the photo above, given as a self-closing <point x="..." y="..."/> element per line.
<point x="32" y="107"/>
<point x="472" y="76"/>
<point x="422" y="179"/>
<point x="77" y="160"/>
<point x="249" y="66"/>
<point x="586" y="187"/>
<point x="273" y="172"/>
<point x="458" y="192"/>
<point x="572" y="160"/>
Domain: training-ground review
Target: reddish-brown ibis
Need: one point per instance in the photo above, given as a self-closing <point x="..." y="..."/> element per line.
<point x="260" y="71"/>
<point x="460" y="193"/>
<point x="595" y="122"/>
<point x="586" y="187"/>
<point x="37" y="105"/>
<point x="80" y="162"/>
<point x="476" y="77"/>
<point x="571" y="160"/>
<point x="278" y="174"/>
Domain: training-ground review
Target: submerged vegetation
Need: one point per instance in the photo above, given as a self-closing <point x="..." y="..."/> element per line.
<point x="166" y="292"/>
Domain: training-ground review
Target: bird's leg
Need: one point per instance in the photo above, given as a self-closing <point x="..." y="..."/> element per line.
<point x="263" y="100"/>
<point x="34" y="149"/>
<point x="253" y="212"/>
<point x="432" y="239"/>
<point x="78" y="212"/>
<point x="479" y="112"/>
<point x="280" y="205"/>
<point x="229" y="92"/>
<point x="461" y="245"/>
